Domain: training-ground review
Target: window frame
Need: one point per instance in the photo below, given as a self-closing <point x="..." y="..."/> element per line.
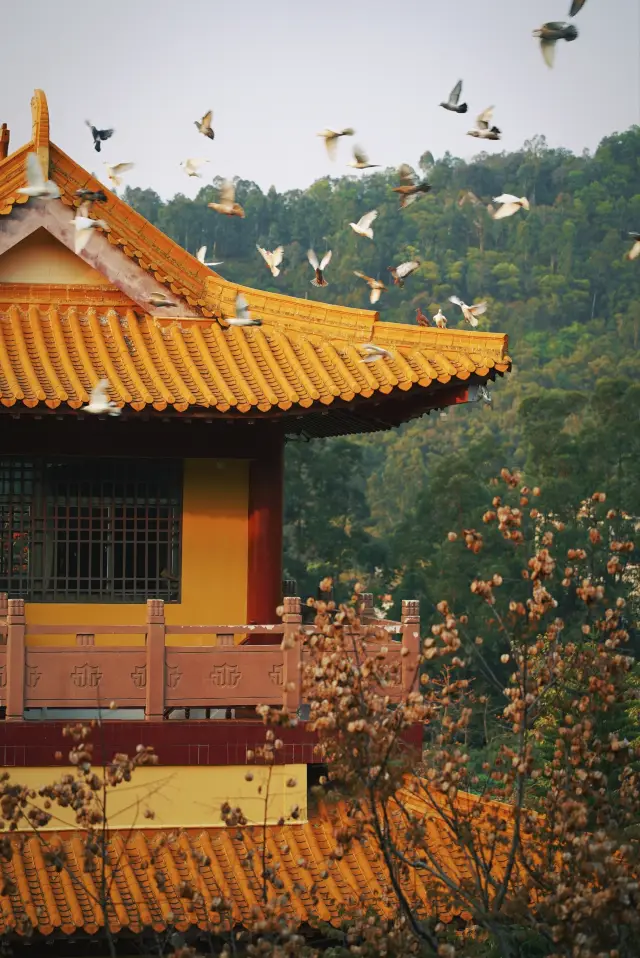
<point x="98" y="530"/>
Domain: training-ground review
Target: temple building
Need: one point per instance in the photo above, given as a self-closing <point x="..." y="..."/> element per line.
<point x="141" y="554"/>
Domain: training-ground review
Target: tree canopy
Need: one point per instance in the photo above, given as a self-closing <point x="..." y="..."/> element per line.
<point x="557" y="282"/>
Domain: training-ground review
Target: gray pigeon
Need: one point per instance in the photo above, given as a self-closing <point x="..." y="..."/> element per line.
<point x="576" y="7"/>
<point x="550" y="33"/>
<point x="452" y="103"/>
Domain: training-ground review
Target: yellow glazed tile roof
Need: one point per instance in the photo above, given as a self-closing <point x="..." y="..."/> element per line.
<point x="56" y="342"/>
<point x="54" y="354"/>
<point x="161" y="879"/>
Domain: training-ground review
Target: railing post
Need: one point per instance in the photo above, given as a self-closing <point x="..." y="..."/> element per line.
<point x="15" y="660"/>
<point x="292" y="653"/>
<point x="367" y="612"/>
<point x="154" y="708"/>
<point x="411" y="643"/>
<point x="4" y="610"/>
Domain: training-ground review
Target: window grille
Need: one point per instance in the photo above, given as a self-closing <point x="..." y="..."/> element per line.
<point x="90" y="530"/>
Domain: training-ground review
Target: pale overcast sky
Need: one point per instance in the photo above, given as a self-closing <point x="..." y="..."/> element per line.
<point x="275" y="72"/>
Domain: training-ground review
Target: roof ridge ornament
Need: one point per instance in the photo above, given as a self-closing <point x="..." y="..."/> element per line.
<point x="40" y="129"/>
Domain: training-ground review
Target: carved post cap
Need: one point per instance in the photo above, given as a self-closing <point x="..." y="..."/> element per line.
<point x="15" y="610"/>
<point x="367" y="601"/>
<point x="155" y="610"/>
<point x="410" y="609"/>
<point x="292" y="606"/>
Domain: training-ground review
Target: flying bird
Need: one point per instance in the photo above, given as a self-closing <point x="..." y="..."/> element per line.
<point x="331" y="139"/>
<point x="115" y="172"/>
<point x="98" y="135"/>
<point x="319" y="268"/>
<point x="373" y="353"/>
<point x="192" y="165"/>
<point x="99" y="402"/>
<point x="510" y="205"/>
<point x="576" y="7"/>
<point x="363" y="226"/>
<point x="361" y="160"/>
<point x="227" y="204"/>
<point x="440" y="319"/>
<point x="158" y="300"/>
<point x="550" y="33"/>
<point x="165" y="574"/>
<point x="200" y="256"/>
<point x="273" y="259"/>
<point x="37" y="186"/>
<point x="470" y="313"/>
<point x="468" y="196"/>
<point x="91" y="196"/>
<point x="421" y="319"/>
<point x="84" y="227"/>
<point x="204" y="125"/>
<point x="634" y="252"/>
<point x="401" y="272"/>
<point x="484" y="128"/>
<point x="484" y="394"/>
<point x="376" y="286"/>
<point x="410" y="187"/>
<point x="243" y="317"/>
<point x="452" y="103"/>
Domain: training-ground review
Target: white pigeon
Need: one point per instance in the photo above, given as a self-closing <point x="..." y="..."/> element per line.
<point x="330" y="138"/>
<point x="373" y="353"/>
<point x="510" y="205"/>
<point x="470" y="313"/>
<point x="84" y="227"/>
<point x="360" y="160"/>
<point x="484" y="128"/>
<point x="159" y="300"/>
<point x="634" y="252"/>
<point x="37" y="186"/>
<point x="363" y="226"/>
<point x="200" y="256"/>
<point x="243" y="317"/>
<point x="192" y="165"/>
<point x="440" y="319"/>
<point x="272" y="259"/>
<point x="115" y="171"/>
<point x="99" y="402"/>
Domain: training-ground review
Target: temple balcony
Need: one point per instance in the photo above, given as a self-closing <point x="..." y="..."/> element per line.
<point x="151" y="667"/>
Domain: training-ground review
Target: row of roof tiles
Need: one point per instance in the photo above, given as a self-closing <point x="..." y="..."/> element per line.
<point x="54" y="356"/>
<point x="159" y="880"/>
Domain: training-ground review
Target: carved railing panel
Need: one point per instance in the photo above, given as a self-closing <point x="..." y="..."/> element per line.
<point x="85" y="677"/>
<point x="226" y="676"/>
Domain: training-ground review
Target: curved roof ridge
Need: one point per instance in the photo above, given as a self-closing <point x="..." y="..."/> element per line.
<point x="40" y="128"/>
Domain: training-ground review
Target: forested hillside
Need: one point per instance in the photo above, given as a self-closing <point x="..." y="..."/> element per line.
<point x="556" y="280"/>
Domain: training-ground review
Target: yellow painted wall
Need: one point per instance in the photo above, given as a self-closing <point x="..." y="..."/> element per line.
<point x="214" y="564"/>
<point x="187" y="796"/>
<point x="41" y="258"/>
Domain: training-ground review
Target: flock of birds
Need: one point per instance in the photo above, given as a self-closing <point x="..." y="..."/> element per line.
<point x="409" y="190"/>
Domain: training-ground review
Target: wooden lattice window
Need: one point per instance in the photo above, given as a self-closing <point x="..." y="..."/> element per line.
<point x="90" y="530"/>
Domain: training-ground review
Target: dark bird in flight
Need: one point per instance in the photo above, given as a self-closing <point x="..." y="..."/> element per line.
<point x="98" y="135"/>
<point x="92" y="196"/>
<point x="550" y="33"/>
<point x="576" y="7"/>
